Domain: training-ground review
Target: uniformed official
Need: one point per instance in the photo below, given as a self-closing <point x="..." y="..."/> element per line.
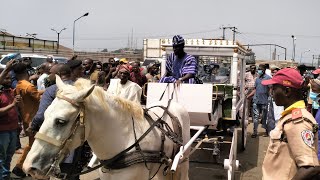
<point x="292" y="151"/>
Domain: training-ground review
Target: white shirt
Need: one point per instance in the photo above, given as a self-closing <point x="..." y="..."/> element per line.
<point x="40" y="81"/>
<point x="131" y="91"/>
<point x="268" y="72"/>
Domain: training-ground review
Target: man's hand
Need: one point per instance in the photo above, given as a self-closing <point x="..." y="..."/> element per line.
<point x="30" y="132"/>
<point x="10" y="64"/>
<point x="34" y="77"/>
<point x="17" y="99"/>
<point x="177" y="83"/>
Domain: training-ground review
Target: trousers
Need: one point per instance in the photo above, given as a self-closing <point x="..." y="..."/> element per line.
<point x="8" y="141"/>
<point x="257" y="110"/>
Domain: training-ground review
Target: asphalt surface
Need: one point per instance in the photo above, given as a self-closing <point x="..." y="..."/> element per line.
<point x="205" y="166"/>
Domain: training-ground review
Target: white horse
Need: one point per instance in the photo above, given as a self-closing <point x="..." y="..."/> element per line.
<point x="109" y="123"/>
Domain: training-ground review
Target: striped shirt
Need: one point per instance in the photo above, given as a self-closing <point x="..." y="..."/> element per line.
<point x="250" y="80"/>
<point x="188" y="65"/>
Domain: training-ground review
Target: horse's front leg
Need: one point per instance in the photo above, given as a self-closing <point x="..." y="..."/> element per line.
<point x="135" y="172"/>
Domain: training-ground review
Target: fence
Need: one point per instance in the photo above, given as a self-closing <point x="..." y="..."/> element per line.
<point x="100" y="56"/>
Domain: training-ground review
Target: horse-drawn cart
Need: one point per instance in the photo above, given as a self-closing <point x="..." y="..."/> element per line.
<point x="219" y="104"/>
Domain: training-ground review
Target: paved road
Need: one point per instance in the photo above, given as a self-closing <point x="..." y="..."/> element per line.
<point x="251" y="160"/>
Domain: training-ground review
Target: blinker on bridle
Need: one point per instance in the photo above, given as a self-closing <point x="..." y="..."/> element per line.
<point x="63" y="144"/>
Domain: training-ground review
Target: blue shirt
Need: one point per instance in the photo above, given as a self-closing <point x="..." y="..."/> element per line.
<point x="46" y="99"/>
<point x="262" y="91"/>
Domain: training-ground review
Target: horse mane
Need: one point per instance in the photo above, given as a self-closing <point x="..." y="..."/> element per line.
<point x="99" y="96"/>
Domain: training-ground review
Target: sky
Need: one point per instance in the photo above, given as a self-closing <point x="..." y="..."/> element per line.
<point x="111" y="22"/>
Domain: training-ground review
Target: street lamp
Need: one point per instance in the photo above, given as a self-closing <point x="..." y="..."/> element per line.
<point x="303" y="53"/>
<point x="58" y="36"/>
<point x="74" y="23"/>
<point x="294" y="48"/>
<point x="33" y="35"/>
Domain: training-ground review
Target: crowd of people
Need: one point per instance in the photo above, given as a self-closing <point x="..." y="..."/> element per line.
<point x="285" y="101"/>
<point x="26" y="92"/>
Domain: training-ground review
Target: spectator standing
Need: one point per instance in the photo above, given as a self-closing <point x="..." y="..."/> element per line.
<point x="123" y="87"/>
<point x="50" y="80"/>
<point x="76" y="69"/>
<point x="136" y="75"/>
<point x="260" y="100"/>
<point x="8" y="121"/>
<point x="250" y="78"/>
<point x="31" y="71"/>
<point x="46" y="71"/>
<point x="153" y="73"/>
<point x="268" y="70"/>
<point x="276" y="109"/>
<point x="291" y="153"/>
<point x="88" y="68"/>
<point x="28" y="108"/>
<point x="314" y="95"/>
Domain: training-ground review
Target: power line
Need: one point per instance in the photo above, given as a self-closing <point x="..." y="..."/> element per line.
<point x="282" y="35"/>
<point x="138" y="37"/>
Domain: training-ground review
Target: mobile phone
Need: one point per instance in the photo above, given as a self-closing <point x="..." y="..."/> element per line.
<point x="14" y="56"/>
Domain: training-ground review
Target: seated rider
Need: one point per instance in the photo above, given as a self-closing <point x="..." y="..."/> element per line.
<point x="180" y="66"/>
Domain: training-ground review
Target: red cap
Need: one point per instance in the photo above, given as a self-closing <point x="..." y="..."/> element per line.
<point x="288" y="77"/>
<point x="124" y="67"/>
<point x="317" y="71"/>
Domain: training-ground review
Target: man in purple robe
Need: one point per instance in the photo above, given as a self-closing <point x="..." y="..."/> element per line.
<point x="180" y="66"/>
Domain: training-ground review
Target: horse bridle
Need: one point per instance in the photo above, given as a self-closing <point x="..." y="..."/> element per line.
<point x="63" y="144"/>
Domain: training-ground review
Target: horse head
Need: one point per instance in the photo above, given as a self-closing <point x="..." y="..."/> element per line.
<point x="60" y="132"/>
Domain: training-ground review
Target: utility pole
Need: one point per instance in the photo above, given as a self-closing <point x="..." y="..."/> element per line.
<point x="131" y="39"/>
<point x="312" y="59"/>
<point x="294" y="47"/>
<point x="33" y="35"/>
<point x="233" y="28"/>
<point x="58" y="32"/>
<point x="285" y="49"/>
<point x="223" y="33"/>
<point x="317" y="57"/>
<point x="234" y="34"/>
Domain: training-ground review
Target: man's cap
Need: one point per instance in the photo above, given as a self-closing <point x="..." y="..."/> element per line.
<point x="74" y="63"/>
<point x="317" y="71"/>
<point x="177" y="40"/>
<point x="287" y="77"/>
<point x="124" y="68"/>
<point x="274" y="67"/>
<point x="124" y="60"/>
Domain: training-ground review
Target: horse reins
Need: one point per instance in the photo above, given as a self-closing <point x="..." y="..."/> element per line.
<point x="62" y="144"/>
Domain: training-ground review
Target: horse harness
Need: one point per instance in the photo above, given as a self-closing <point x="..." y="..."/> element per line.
<point x="124" y="158"/>
<point x="63" y="144"/>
